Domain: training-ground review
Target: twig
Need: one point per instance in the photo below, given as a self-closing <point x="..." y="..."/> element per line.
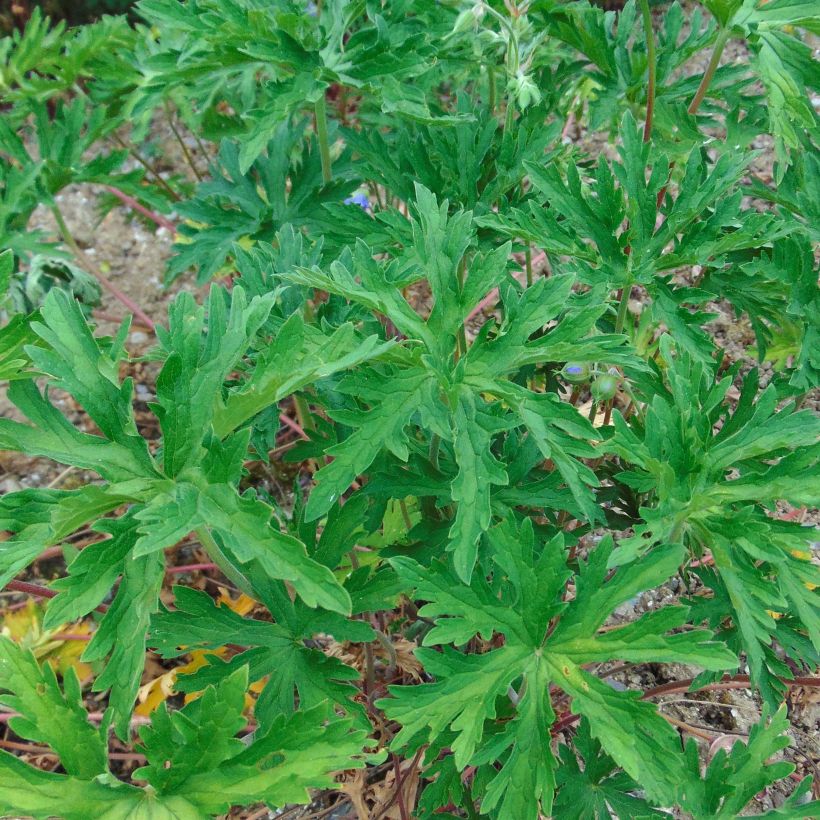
<point x="64" y="474"/>
<point x="85" y="261"/>
<point x="399" y="789"/>
<point x="399" y="781"/>
<point x="94" y="717"/>
<point x="733" y="682"/>
<point x="692" y="730"/>
<point x="117" y="320"/>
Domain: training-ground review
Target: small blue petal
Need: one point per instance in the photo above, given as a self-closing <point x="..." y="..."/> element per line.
<point x="358" y="199"/>
<point x="575" y="370"/>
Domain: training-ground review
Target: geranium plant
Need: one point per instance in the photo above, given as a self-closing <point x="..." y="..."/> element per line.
<point x="469" y="253"/>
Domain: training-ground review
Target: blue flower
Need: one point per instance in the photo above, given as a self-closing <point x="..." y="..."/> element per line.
<point x="574" y="369"/>
<point x="358" y="199"/>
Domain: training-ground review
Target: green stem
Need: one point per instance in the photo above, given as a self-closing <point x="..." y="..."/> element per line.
<point x="405" y="514"/>
<point x="302" y="409"/>
<point x="491" y="90"/>
<point x="221" y="560"/>
<point x="435" y="446"/>
<point x="635" y="403"/>
<point x="623" y="305"/>
<point x="509" y="118"/>
<point x="528" y="262"/>
<point x="650" y="58"/>
<point x="186" y="153"/>
<point x="717" y="53"/>
<point x="468" y="802"/>
<point x="462" y="331"/>
<point x="320" y="110"/>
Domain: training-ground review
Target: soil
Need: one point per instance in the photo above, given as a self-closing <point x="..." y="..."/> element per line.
<point x="133" y="254"/>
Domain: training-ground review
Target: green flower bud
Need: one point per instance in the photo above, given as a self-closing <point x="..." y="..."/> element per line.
<point x="605" y="387"/>
<point x="575" y="372"/>
<point x="524" y="90"/>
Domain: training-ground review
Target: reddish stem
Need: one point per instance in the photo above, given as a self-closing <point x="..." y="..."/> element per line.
<point x="191" y="568"/>
<point x="40" y="592"/>
<point x="135" y="205"/>
<point x="492" y="296"/>
<point x="733" y="682"/>
<point x="293" y="426"/>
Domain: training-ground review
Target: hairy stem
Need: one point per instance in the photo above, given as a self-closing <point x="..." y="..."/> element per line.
<point x="157" y="219"/>
<point x="623" y="305"/>
<point x="717" y="53"/>
<point x="462" y="331"/>
<point x="221" y="560"/>
<point x="302" y="409"/>
<point x="320" y="110"/>
<point x="148" y="167"/>
<point x="651" y="65"/>
<point x="435" y="445"/>
<point x="185" y="152"/>
<point x="41" y="592"/>
<point x="491" y="90"/>
<point x="528" y="263"/>
<point x="405" y="514"/>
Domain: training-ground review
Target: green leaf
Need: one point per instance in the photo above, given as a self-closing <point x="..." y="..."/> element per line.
<point x="298" y="356"/>
<point x="733" y="778"/>
<point x="478" y="468"/>
<point x="599" y="790"/>
<point x="459" y="709"/>
<point x="6" y="269"/>
<point x="197" y="364"/>
<point x="297" y="675"/>
<point x="380" y="427"/>
<point x="25" y="790"/>
<point x="120" y="636"/>
<point x="48" y="715"/>
<point x="197" y="738"/>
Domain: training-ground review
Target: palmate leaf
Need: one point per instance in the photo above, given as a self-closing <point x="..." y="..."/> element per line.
<point x="452" y="398"/>
<point x="459" y="708"/>
<point x="298" y="752"/>
<point x="237" y="207"/>
<point x="616" y="231"/>
<point x="599" y="790"/>
<point x="451" y="162"/>
<point x="297" y="675"/>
